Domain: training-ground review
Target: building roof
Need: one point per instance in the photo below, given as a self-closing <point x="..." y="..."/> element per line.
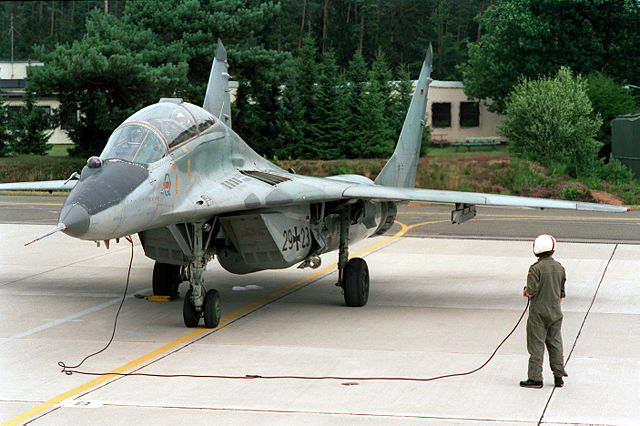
<point x="447" y="84"/>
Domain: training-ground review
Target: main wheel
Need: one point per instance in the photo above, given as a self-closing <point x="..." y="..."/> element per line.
<point x="166" y="280"/>
<point x="189" y="314"/>
<point x="356" y="282"/>
<point x="212" y="309"/>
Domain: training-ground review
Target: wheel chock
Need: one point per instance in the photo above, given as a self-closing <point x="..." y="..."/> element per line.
<point x="155" y="298"/>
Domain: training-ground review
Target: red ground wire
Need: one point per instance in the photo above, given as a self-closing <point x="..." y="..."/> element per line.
<point x="72" y="369"/>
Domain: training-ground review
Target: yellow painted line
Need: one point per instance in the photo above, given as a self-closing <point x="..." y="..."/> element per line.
<point x="223" y="324"/>
<point x="63" y="396"/>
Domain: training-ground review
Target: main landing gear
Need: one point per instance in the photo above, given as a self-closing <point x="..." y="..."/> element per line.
<point x="353" y="275"/>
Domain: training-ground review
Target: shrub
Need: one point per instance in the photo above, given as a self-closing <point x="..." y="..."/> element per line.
<point x="551" y="121"/>
<point x="544" y="192"/>
<point x="615" y="171"/>
<point x="574" y="191"/>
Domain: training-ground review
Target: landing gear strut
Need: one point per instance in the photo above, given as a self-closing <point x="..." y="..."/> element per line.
<point x="353" y="275"/>
<point x="198" y="302"/>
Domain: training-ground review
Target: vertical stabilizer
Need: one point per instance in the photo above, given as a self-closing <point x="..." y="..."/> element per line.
<point x="400" y="170"/>
<point x="217" y="99"/>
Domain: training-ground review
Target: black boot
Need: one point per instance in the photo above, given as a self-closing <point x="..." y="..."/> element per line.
<point x="558" y="382"/>
<point x="531" y="384"/>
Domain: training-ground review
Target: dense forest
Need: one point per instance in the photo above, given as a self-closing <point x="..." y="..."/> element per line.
<point x="318" y="78"/>
<point x="400" y="28"/>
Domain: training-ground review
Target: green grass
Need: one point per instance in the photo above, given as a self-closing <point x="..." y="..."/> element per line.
<point x="59" y="150"/>
<point x="28" y="168"/>
<point x="463" y="152"/>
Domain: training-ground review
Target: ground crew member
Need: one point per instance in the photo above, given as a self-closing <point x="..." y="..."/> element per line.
<point x="545" y="289"/>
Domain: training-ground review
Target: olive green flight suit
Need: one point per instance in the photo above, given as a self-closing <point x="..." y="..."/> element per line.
<point x="545" y="286"/>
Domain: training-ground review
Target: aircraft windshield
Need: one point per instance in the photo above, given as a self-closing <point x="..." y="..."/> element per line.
<point x="136" y="143"/>
<point x="148" y="134"/>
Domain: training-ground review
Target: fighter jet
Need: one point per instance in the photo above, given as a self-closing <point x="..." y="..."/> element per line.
<point x="179" y="176"/>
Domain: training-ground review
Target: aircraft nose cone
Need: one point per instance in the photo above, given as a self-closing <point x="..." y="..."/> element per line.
<point x="75" y="218"/>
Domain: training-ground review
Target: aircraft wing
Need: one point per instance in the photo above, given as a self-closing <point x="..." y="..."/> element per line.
<point x="289" y="189"/>
<point x="48" y="185"/>
<point x="377" y="192"/>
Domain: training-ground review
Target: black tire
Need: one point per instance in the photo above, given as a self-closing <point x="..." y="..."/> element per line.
<point x="189" y="314"/>
<point x="356" y="282"/>
<point x="166" y="280"/>
<point x="212" y="309"/>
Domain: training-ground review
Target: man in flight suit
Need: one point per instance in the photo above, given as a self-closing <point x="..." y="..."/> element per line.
<point x="545" y="289"/>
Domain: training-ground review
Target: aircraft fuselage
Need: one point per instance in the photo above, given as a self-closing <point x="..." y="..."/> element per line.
<point x="115" y="198"/>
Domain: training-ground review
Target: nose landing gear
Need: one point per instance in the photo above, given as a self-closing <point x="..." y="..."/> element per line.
<point x="199" y="302"/>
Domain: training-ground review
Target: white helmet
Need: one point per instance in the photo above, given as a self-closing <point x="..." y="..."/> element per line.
<point x="544" y="243"/>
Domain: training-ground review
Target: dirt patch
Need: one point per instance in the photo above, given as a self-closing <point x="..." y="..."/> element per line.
<point x="604" y="197"/>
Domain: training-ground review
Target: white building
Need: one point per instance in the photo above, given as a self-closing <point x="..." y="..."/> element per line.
<point x="13" y="77"/>
<point x="452" y="115"/>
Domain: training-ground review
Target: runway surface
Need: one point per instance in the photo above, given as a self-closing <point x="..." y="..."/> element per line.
<point x="491" y="222"/>
<point x="442" y="299"/>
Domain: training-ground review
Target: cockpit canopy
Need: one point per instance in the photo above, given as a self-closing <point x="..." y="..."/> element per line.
<point x="153" y="131"/>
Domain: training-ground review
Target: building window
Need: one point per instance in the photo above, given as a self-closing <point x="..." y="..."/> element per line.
<point x="68" y="120"/>
<point x="469" y="114"/>
<point x="441" y="114"/>
<point x="13" y="83"/>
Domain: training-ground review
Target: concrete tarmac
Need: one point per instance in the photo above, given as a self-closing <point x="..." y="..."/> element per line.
<point x="437" y="306"/>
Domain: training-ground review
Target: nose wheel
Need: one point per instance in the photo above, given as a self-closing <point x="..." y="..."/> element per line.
<point x="211" y="310"/>
<point x="190" y="315"/>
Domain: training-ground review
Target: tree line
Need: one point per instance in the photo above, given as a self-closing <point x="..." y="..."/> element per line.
<point x="400" y="28"/>
<point x="314" y="75"/>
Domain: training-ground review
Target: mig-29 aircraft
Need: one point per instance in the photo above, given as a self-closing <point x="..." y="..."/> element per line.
<point x="178" y="176"/>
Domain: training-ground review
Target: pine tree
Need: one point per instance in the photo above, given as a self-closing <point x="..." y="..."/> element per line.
<point x="357" y="82"/>
<point x="330" y="109"/>
<point x="32" y="123"/>
<point x="6" y="136"/>
<point x="257" y="110"/>
<point x="402" y="89"/>
<point x="301" y="92"/>
<point x="376" y="139"/>
<point x="116" y="69"/>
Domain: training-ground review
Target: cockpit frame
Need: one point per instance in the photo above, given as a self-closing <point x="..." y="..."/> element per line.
<point x="174" y="123"/>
